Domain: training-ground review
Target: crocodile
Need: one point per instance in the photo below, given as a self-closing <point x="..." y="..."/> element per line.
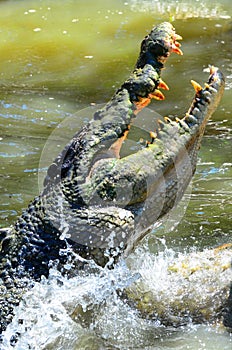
<point x="96" y="205"/>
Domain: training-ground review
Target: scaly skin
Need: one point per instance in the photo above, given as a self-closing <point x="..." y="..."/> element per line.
<point x="95" y="204"/>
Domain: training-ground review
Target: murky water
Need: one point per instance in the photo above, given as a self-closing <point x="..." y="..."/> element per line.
<point x="60" y="57"/>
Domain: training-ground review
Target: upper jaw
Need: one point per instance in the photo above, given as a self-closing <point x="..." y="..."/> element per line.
<point x="158" y="45"/>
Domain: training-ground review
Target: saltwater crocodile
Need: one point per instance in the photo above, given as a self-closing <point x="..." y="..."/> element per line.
<point x="96" y="205"/>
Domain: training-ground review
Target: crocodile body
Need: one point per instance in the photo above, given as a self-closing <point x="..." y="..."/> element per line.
<point x="96" y="205"/>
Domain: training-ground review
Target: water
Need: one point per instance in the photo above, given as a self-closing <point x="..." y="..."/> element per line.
<point x="60" y="57"/>
<point x="86" y="311"/>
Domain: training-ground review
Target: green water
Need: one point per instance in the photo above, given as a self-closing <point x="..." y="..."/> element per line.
<point x="58" y="57"/>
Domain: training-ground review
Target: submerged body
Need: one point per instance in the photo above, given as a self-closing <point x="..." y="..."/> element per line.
<point x="96" y="205"/>
<point x="182" y="288"/>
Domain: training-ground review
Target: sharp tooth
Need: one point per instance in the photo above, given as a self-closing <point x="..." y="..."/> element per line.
<point x="197" y="87"/>
<point x="176" y="49"/>
<point x="153" y="134"/>
<point x="168" y="120"/>
<point x="183" y="124"/>
<point x="190" y="118"/>
<point x="196" y="113"/>
<point x="157" y="95"/>
<point x="212" y="90"/>
<point x="162" y="85"/>
<point x="161" y="124"/>
<point x="177" y="37"/>
<point x="212" y="69"/>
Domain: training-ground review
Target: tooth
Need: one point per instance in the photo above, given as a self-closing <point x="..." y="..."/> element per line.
<point x="212" y="90"/>
<point x="207" y="93"/>
<point x="162" y="85"/>
<point x="153" y="134"/>
<point x="177" y="122"/>
<point x="196" y="112"/>
<point x="157" y="95"/>
<point x="183" y="124"/>
<point x="176" y="49"/>
<point x="207" y="96"/>
<point x="212" y="70"/>
<point x="197" y="87"/>
<point x="190" y="118"/>
<point x="161" y="124"/>
<point x="177" y="37"/>
<point x="168" y="120"/>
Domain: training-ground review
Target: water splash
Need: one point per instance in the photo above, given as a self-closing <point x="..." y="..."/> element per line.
<point x="88" y="310"/>
<point x="57" y="310"/>
<point x="182" y="287"/>
<point x="182" y="9"/>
